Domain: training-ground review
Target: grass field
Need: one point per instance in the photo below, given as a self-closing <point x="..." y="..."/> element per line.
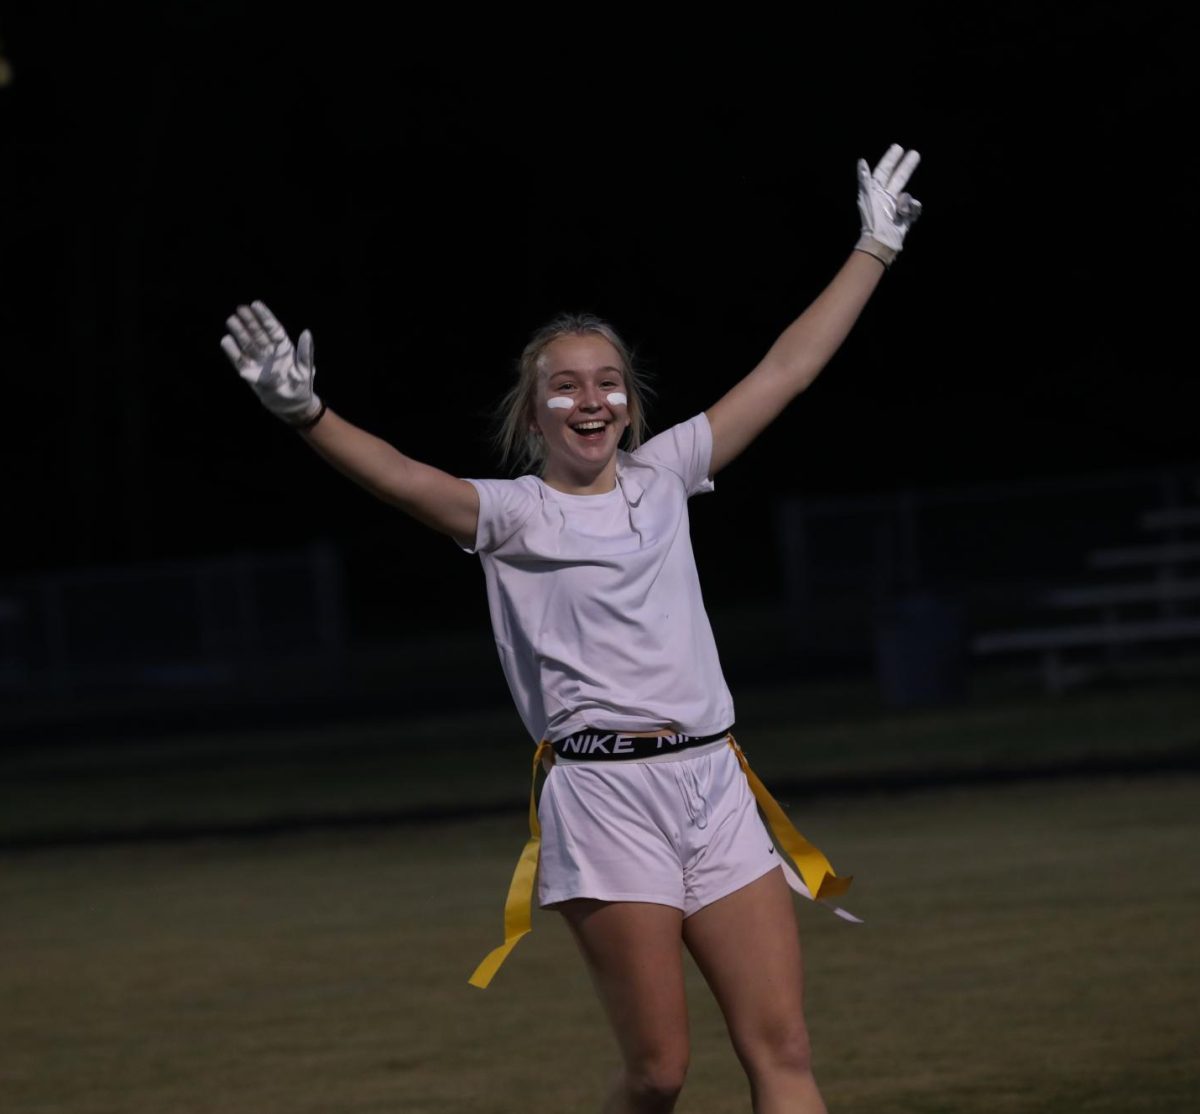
<point x="1030" y="946"/>
<point x="1027" y="948"/>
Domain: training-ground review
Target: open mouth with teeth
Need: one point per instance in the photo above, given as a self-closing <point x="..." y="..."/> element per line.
<point x="590" y="431"/>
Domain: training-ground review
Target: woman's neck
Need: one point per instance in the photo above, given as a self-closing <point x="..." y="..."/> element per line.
<point x="572" y="483"/>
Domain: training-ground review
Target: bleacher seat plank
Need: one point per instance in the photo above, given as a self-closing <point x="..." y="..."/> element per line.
<point x="1132" y="556"/>
<point x="1167" y="518"/>
<point x="1086" y="634"/>
<point x="1110" y="595"/>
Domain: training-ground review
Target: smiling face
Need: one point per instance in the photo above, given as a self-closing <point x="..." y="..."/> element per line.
<point x="581" y="411"/>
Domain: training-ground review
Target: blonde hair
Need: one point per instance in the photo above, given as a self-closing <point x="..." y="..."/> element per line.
<point x="517" y="438"/>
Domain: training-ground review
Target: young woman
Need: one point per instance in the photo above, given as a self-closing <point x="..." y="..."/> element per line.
<point x="650" y="835"/>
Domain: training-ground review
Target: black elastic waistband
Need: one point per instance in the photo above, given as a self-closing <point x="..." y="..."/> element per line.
<point x="593" y="745"/>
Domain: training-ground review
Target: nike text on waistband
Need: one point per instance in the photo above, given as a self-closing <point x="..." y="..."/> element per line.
<point x="591" y="744"/>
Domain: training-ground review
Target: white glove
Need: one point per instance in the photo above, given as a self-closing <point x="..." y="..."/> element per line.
<point x="886" y="212"/>
<point x="281" y="376"/>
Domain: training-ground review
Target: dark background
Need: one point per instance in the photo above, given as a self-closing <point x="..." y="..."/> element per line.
<point x="423" y="190"/>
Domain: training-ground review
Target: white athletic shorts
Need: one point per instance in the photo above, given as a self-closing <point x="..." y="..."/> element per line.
<point x="681" y="830"/>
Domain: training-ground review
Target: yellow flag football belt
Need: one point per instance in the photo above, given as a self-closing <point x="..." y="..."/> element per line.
<point x="816" y="880"/>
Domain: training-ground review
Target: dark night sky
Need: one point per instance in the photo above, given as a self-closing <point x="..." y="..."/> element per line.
<point x="423" y="195"/>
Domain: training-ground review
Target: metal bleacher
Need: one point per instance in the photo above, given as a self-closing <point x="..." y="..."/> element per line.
<point x="1148" y="597"/>
<point x="1066" y="575"/>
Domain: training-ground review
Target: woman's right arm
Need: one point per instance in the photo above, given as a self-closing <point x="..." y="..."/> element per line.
<point x="431" y="496"/>
<point x="282" y="376"/>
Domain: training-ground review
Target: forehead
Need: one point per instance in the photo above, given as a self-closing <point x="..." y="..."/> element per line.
<point x="586" y="353"/>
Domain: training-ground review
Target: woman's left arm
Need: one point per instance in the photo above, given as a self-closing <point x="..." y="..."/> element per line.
<point x="807" y="345"/>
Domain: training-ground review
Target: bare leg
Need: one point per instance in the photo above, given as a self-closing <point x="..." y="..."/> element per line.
<point x="747" y="946"/>
<point x="635" y="955"/>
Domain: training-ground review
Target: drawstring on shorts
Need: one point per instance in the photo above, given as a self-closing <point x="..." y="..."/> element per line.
<point x="693" y="799"/>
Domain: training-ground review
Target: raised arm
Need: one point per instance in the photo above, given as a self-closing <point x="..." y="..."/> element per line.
<point x="809" y="342"/>
<point x="282" y="377"/>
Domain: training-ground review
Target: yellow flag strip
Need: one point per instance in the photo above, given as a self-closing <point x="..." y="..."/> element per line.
<point x="819" y="880"/>
<point x="518" y="906"/>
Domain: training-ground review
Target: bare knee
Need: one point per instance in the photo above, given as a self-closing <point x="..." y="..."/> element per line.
<point x="654" y="1082"/>
<point x="779" y="1048"/>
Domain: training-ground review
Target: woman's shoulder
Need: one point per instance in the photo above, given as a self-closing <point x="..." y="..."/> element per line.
<point x="684" y="449"/>
<point x="527" y="483"/>
<point x="505" y="505"/>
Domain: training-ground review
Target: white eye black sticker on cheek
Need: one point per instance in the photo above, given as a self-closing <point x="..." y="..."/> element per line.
<point x="559" y="403"/>
<point x="616" y="399"/>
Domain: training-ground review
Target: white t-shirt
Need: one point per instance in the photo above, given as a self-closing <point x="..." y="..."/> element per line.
<point x="595" y="600"/>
